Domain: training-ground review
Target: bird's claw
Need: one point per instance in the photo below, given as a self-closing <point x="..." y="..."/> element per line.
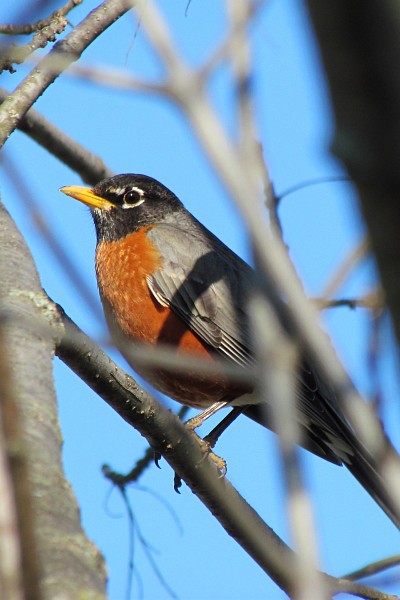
<point x="205" y="446"/>
<point x="177" y="483"/>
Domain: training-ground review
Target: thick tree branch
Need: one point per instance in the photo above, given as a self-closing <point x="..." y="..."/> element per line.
<point x="168" y="436"/>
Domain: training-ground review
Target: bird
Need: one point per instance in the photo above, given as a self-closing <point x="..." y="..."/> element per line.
<point x="165" y="280"/>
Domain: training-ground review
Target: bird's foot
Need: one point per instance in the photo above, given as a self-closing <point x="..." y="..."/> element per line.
<point x="206" y="448"/>
<point x="219" y="462"/>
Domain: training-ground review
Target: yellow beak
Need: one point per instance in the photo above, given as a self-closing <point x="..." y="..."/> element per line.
<point x="87" y="196"/>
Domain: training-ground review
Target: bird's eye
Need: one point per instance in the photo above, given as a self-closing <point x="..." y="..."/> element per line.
<point x="133" y="197"/>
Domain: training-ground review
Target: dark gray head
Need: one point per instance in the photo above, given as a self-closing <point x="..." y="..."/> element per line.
<point x="125" y="203"/>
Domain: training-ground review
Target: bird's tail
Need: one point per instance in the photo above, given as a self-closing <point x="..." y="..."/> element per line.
<point x="368" y="471"/>
<point x="335" y="441"/>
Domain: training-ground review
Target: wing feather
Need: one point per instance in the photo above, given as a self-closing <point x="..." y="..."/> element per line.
<point x="199" y="283"/>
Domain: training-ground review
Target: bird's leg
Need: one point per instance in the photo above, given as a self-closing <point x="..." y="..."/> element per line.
<point x="199" y="419"/>
<point x="219" y="429"/>
<point x="210" y="440"/>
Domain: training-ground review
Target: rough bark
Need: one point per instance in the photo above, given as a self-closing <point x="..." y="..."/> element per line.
<point x="67" y="561"/>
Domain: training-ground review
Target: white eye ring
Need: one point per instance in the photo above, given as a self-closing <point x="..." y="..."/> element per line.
<point x="136" y="192"/>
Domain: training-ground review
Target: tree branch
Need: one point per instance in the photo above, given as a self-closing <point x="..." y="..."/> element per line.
<point x="374" y="568"/>
<point x="61" y="56"/>
<point x="27" y="28"/>
<point x="180" y="448"/>
<point x="168" y="436"/>
<point x="18" y="54"/>
<point x="29" y="354"/>
<point x="89" y="166"/>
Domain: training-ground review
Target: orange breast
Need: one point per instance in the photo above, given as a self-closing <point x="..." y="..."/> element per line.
<point x="134" y="315"/>
<point x="122" y="267"/>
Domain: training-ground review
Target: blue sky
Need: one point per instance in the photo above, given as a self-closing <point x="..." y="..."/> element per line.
<point x="145" y="134"/>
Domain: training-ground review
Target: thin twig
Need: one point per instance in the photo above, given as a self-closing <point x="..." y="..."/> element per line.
<point x="18" y="54"/>
<point x="350" y="262"/>
<point x="373" y="301"/>
<point x="26" y="29"/>
<point x="121" y="479"/>
<point x="149" y="554"/>
<point x="311" y="182"/>
<point x="118" y="79"/>
<point x="45" y="31"/>
<point x="362" y="591"/>
<point x="374" y="568"/>
<point x="59" y="58"/>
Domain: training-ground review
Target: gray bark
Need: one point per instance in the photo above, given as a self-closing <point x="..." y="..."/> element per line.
<point x="68" y="565"/>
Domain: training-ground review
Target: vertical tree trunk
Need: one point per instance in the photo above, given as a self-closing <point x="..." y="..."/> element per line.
<point x="47" y="515"/>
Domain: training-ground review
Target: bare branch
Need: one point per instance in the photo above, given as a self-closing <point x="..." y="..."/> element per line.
<point x="89" y="166"/>
<point x="374" y="568"/>
<point x="140" y="466"/>
<point x="362" y="591"/>
<point x="18" y="54"/>
<point x="10" y="29"/>
<point x="167" y="435"/>
<point x="63" y="54"/>
<point x="349" y="263"/>
<point x="309" y="183"/>
<point x="374" y="301"/>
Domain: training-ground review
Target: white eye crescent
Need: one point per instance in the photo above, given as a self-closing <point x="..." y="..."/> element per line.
<point x="133" y="197"/>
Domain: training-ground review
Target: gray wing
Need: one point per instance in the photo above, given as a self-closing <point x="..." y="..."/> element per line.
<point x="206" y="289"/>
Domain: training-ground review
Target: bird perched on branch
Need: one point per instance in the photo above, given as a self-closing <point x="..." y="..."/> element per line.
<point x="164" y="279"/>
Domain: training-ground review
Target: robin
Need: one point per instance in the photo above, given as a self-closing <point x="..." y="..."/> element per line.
<point x="164" y="279"/>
